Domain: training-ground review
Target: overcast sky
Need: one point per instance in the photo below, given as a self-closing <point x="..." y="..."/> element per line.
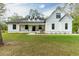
<point x="22" y="9"/>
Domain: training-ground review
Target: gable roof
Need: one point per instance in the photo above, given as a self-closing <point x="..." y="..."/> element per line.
<point x="61" y="9"/>
<point x="55" y="10"/>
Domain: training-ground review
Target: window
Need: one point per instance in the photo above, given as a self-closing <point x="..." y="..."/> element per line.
<point x="26" y="26"/>
<point x="66" y="26"/>
<point x="30" y="18"/>
<point x="14" y="26"/>
<point x="40" y="27"/>
<point x="35" y="18"/>
<point x="58" y="15"/>
<point x="53" y="26"/>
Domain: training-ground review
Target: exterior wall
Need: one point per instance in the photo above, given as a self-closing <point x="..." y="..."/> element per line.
<point x="10" y="28"/>
<point x="20" y="28"/>
<point x="59" y="25"/>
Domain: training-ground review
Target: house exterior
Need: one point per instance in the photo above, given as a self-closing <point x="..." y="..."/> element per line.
<point x="59" y="22"/>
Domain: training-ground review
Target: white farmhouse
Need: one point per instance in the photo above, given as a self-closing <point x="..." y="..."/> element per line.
<point x="59" y="22"/>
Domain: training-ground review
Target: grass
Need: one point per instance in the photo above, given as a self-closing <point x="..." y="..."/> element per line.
<point x="36" y="45"/>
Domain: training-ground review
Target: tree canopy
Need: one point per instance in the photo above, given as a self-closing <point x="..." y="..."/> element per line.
<point x="73" y="10"/>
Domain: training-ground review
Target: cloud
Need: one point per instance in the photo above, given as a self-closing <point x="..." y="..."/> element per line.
<point x="48" y="12"/>
<point x="20" y="9"/>
<point x="42" y="6"/>
<point x="15" y="8"/>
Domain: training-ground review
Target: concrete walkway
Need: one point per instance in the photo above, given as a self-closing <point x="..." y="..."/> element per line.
<point x="50" y="34"/>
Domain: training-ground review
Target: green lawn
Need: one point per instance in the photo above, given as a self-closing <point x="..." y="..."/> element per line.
<point x="23" y="44"/>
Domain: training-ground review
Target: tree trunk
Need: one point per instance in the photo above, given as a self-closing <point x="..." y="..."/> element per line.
<point x="1" y="39"/>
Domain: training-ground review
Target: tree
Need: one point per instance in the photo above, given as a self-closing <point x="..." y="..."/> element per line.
<point x="75" y="16"/>
<point x="15" y="17"/>
<point x="2" y="10"/>
<point x="73" y="10"/>
<point x="35" y="13"/>
<point x="75" y="24"/>
<point x="3" y="26"/>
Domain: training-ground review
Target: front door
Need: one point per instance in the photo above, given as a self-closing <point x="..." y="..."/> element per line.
<point x="33" y="28"/>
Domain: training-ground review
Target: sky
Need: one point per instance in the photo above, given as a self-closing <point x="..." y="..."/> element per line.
<point x="22" y="9"/>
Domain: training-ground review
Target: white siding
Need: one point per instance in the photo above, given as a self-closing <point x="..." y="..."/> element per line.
<point x="10" y="28"/>
<point x="59" y="25"/>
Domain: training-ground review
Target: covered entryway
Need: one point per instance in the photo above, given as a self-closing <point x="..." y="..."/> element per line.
<point x="33" y="28"/>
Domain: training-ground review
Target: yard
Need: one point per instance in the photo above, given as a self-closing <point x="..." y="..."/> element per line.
<point x="36" y="45"/>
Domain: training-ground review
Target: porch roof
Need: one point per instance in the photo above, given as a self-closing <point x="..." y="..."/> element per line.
<point x="26" y="21"/>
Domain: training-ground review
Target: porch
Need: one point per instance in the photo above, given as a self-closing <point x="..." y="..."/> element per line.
<point x="31" y="28"/>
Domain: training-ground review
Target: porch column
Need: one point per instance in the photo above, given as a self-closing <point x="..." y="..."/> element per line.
<point x="30" y="28"/>
<point x="37" y="27"/>
<point x="18" y="27"/>
<point x="43" y="27"/>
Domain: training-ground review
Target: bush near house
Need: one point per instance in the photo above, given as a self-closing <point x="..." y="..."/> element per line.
<point x="23" y="44"/>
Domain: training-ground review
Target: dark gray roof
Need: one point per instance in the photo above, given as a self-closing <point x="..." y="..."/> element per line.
<point x="62" y="17"/>
<point x="26" y="21"/>
<point x="33" y="17"/>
